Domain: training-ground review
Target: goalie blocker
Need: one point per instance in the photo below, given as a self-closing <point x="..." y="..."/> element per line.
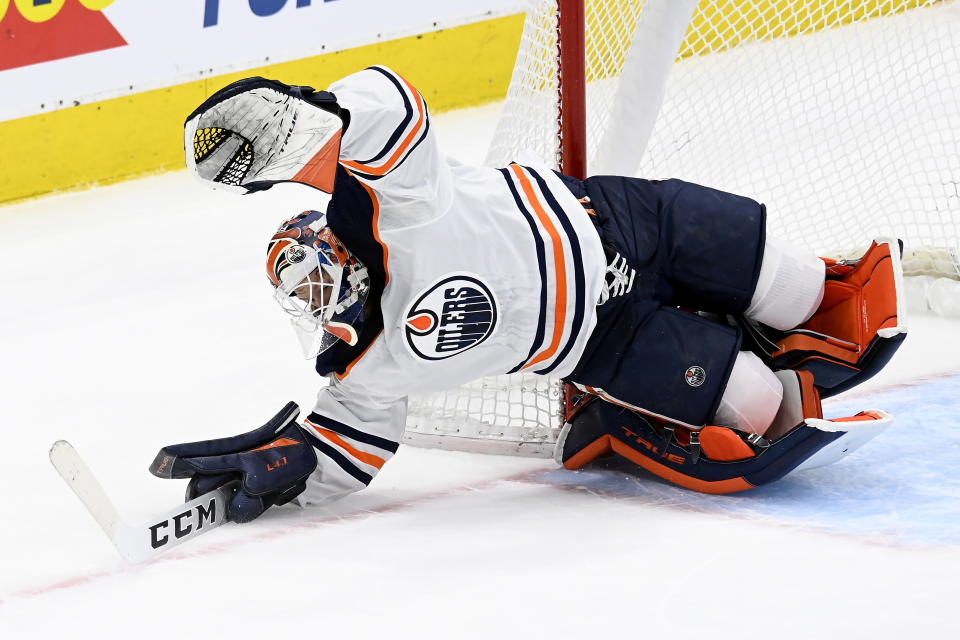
<point x="853" y="333"/>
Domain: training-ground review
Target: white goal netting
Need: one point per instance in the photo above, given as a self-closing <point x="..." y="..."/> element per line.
<point x="842" y="116"/>
<point x="846" y="130"/>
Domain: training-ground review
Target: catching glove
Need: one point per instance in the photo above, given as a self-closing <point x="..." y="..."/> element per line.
<point x="256" y="132"/>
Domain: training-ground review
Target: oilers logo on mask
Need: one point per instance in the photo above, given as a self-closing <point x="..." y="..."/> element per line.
<point x="296" y="254"/>
<point x="449" y="317"/>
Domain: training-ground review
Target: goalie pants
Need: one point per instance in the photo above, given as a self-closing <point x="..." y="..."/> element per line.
<point x="680" y="247"/>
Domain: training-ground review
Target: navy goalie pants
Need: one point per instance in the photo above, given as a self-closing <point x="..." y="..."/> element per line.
<point x="688" y="248"/>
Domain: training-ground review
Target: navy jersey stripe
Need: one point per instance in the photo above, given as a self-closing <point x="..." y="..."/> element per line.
<point x="426" y="128"/>
<point x="579" y="282"/>
<point x="408" y="107"/>
<point x="350" y="215"/>
<point x="339" y="458"/>
<point x="354" y="434"/>
<point x="541" y="263"/>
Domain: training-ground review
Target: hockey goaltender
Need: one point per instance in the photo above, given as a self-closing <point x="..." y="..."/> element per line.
<point x="700" y="347"/>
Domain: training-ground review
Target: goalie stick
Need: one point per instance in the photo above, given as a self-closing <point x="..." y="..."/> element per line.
<point x="138" y="543"/>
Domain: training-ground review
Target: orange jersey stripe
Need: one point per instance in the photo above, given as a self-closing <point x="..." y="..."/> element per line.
<point x="362" y="456"/>
<point x="392" y="160"/>
<point x="559" y="263"/>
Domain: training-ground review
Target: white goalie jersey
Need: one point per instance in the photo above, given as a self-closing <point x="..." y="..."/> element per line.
<point x="488" y="271"/>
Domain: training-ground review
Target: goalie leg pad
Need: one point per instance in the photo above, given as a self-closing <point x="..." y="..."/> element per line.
<point x="714" y="459"/>
<point x="858" y="326"/>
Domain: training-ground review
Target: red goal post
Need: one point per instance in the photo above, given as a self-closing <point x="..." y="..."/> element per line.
<point x="571" y="73"/>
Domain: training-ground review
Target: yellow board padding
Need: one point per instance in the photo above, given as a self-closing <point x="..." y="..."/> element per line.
<point x="719" y="25"/>
<point x="114" y="140"/>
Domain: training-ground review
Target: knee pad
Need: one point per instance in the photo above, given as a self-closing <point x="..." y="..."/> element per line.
<point x="752" y="397"/>
<point x="789" y="288"/>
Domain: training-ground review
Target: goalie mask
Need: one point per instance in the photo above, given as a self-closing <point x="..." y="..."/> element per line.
<point x="318" y="282"/>
<point x="256" y="132"/>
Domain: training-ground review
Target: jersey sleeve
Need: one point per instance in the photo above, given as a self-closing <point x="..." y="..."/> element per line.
<point x="389" y="144"/>
<point x="353" y="437"/>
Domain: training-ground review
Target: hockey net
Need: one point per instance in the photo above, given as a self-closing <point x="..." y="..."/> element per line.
<point x="840" y="116"/>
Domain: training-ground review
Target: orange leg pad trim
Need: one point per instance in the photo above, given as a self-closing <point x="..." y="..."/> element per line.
<point x="863" y="416"/>
<point x="689" y="482"/>
<point x="597" y="448"/>
<point x="721" y="443"/>
<point x="606" y="444"/>
<point x="811" y="406"/>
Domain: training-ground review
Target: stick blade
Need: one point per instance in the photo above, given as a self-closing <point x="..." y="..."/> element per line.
<point x="83" y="483"/>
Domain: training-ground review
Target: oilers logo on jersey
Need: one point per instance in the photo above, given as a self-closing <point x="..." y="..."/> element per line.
<point x="449" y="317"/>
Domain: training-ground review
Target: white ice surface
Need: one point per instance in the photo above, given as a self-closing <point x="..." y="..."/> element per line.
<point x="138" y="315"/>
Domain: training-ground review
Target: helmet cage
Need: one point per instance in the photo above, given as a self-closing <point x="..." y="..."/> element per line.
<point x="321" y="287"/>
